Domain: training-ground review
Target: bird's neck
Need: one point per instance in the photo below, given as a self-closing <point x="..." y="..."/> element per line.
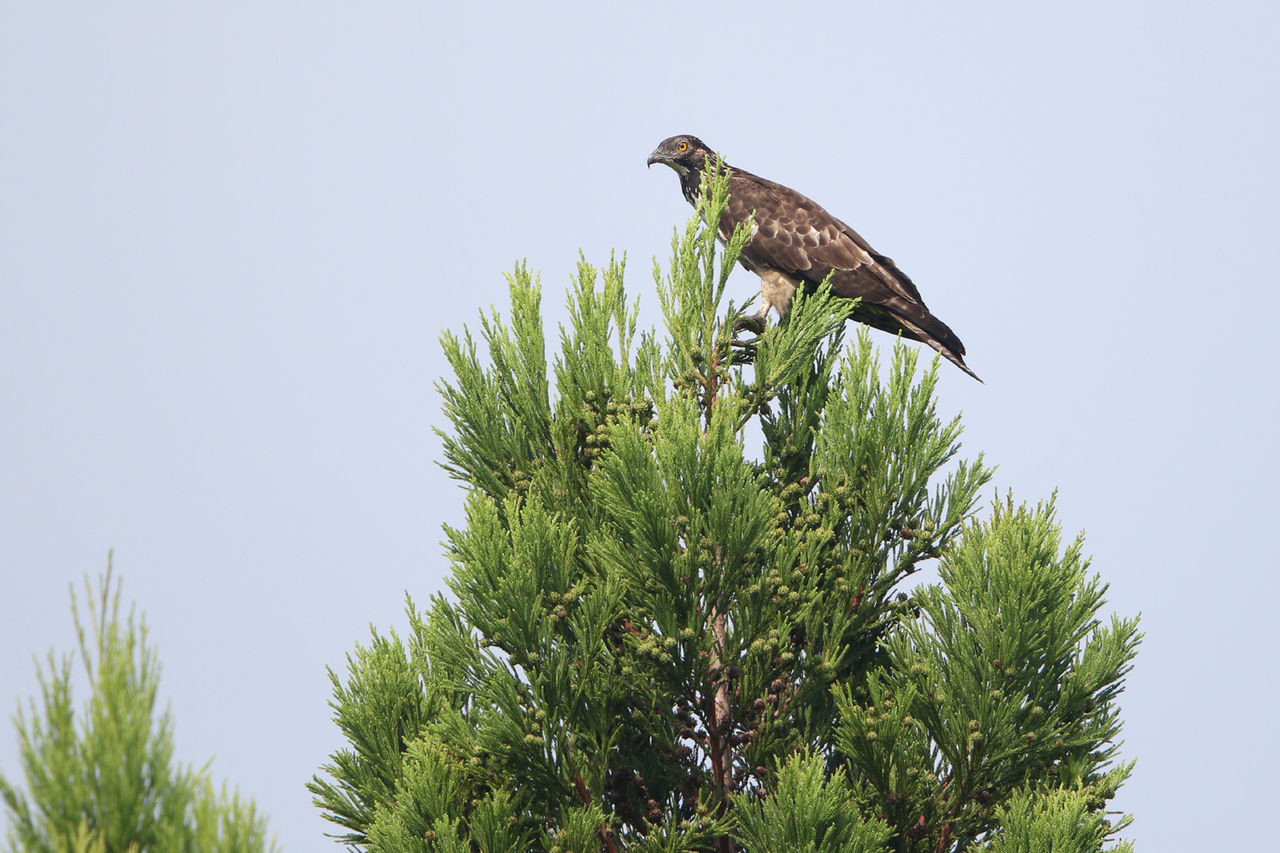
<point x="691" y="183"/>
<point x="691" y="186"/>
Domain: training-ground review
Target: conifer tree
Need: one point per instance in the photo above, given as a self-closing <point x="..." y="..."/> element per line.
<point x="658" y="640"/>
<point x="104" y="780"/>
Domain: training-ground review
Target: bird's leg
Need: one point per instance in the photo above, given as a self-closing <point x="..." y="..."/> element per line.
<point x="776" y="292"/>
<point x="777" y="289"/>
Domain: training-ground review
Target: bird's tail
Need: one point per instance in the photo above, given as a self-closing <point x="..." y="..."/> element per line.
<point x="937" y="334"/>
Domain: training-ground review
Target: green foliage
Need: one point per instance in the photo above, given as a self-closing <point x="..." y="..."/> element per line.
<point x="808" y="809"/>
<point x="1055" y="821"/>
<point x="377" y="730"/>
<point x="660" y="638"/>
<point x="1005" y="678"/>
<point x="104" y="780"/>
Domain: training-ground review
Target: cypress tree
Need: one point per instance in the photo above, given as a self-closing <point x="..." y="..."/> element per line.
<point x="105" y="780"/>
<point x="659" y="640"/>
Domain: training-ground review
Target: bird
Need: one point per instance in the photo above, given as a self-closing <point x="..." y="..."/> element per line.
<point x="795" y="243"/>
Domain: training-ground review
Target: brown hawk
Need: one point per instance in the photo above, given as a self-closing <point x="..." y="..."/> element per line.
<point x="796" y="243"/>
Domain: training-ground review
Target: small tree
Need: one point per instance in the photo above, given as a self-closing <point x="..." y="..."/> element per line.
<point x="657" y="641"/>
<point x="105" y="781"/>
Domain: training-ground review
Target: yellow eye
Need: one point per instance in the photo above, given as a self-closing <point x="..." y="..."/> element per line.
<point x="683" y="146"/>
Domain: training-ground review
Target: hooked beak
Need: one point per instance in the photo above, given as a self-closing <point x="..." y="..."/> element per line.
<point x="656" y="157"/>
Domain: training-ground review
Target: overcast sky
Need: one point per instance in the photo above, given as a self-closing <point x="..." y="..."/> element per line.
<point x="231" y="234"/>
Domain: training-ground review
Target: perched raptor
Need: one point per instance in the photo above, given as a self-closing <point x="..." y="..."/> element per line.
<point x="796" y="243"/>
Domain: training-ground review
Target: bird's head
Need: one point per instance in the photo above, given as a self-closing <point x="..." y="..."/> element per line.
<point x="685" y="154"/>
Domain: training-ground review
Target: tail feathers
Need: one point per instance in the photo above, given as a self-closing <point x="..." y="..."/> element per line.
<point x="957" y="360"/>
<point x="912" y="320"/>
<point x="941" y="338"/>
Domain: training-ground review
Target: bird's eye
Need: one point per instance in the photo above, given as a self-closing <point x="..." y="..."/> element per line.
<point x="683" y="146"/>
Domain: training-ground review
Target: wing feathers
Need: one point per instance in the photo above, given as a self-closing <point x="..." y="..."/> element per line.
<point x="797" y="237"/>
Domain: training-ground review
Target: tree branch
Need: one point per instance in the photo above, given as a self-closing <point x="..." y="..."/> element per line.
<point x="605" y="833"/>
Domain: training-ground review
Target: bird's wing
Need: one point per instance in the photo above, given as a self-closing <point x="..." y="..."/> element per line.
<point x="795" y="236"/>
<point x="799" y="237"/>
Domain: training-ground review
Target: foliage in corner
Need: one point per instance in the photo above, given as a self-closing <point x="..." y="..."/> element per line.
<point x="657" y="640"/>
<point x="105" y="780"/>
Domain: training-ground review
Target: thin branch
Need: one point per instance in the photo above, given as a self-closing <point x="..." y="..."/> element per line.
<point x="605" y="833"/>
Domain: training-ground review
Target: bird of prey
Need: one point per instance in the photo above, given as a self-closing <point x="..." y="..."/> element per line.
<point x="795" y="242"/>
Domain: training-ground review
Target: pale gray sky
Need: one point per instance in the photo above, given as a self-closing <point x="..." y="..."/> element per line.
<point x="231" y="233"/>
